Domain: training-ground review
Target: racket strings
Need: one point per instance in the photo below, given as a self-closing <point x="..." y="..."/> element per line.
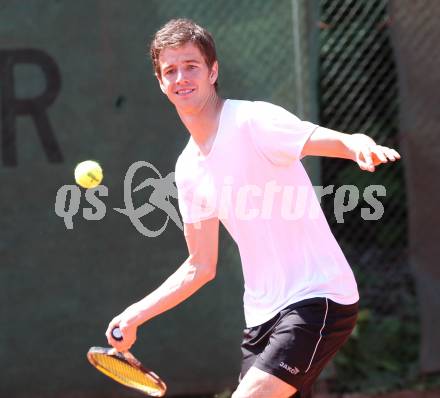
<point x="126" y="374"/>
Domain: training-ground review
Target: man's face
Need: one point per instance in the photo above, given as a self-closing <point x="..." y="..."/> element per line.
<point x="185" y="78"/>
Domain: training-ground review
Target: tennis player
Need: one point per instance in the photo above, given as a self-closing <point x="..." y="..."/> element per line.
<point x="241" y="166"/>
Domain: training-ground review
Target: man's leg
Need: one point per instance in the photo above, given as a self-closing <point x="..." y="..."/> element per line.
<point x="259" y="384"/>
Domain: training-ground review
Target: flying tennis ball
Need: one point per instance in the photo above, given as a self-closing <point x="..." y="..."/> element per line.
<point x="88" y="174"/>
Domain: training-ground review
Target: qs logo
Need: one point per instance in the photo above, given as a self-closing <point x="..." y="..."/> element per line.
<point x="68" y="199"/>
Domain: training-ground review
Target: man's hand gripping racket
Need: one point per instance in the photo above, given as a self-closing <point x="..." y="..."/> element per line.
<point x="126" y="369"/>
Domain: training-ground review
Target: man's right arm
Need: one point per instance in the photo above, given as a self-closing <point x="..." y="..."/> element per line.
<point x="196" y="271"/>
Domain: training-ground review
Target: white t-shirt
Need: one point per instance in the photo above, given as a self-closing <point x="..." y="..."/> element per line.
<point x="254" y="182"/>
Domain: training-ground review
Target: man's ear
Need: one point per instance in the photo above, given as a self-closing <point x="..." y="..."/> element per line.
<point x="213" y="74"/>
<point x="159" y="79"/>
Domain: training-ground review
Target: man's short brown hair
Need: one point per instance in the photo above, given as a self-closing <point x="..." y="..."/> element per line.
<point x="176" y="33"/>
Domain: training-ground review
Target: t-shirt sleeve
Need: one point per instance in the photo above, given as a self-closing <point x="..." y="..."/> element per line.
<point x="196" y="196"/>
<point x="278" y="134"/>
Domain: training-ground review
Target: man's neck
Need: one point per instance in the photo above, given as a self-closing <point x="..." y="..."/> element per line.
<point x="203" y="124"/>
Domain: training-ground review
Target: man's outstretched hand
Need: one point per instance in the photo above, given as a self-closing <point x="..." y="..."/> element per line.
<point x="367" y="154"/>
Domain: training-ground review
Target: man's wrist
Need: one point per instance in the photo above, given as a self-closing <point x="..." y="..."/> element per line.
<point x="349" y="144"/>
<point x="134" y="315"/>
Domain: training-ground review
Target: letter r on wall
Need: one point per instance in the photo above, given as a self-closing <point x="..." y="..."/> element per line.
<point x="36" y="107"/>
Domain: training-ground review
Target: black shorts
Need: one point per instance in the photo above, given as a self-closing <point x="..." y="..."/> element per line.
<point x="299" y="341"/>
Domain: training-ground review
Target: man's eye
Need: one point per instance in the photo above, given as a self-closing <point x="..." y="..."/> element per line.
<point x="169" y="72"/>
<point x="192" y="67"/>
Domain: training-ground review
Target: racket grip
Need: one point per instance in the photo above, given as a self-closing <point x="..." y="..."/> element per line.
<point x="116" y="334"/>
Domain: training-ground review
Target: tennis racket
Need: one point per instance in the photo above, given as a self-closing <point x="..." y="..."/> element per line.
<point x="126" y="369"/>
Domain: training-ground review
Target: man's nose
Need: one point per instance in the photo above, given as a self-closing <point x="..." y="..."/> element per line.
<point x="181" y="76"/>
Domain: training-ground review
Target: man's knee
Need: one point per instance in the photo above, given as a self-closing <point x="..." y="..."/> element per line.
<point x="255" y="393"/>
<point x="259" y="384"/>
<point x="263" y="393"/>
<point x="235" y="394"/>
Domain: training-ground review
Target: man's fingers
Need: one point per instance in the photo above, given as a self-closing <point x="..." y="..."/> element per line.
<point x="379" y="153"/>
<point x="125" y="344"/>
<point x="369" y="154"/>
<point x="393" y="153"/>
<point x="108" y="333"/>
<point x="121" y="347"/>
<point x="382" y="154"/>
<point x="390" y="153"/>
<point x="360" y="161"/>
<point x="365" y="160"/>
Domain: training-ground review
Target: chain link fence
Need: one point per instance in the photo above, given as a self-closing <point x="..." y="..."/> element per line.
<point x="414" y="32"/>
<point x="359" y="93"/>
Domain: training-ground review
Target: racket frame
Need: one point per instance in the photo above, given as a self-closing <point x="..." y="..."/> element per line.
<point x="131" y="360"/>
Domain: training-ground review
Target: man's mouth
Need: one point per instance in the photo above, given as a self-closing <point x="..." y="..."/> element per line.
<point x="185" y="91"/>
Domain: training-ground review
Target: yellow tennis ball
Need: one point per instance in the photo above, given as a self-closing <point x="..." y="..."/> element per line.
<point x="88" y="174"/>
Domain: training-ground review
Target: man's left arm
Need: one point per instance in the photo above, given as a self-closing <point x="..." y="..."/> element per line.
<point x="357" y="147"/>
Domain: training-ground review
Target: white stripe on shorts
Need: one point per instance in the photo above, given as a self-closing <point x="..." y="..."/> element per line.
<point x="320" y="335"/>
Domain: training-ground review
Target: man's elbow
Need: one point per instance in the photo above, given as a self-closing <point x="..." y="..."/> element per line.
<point x="209" y="271"/>
<point x="203" y="271"/>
